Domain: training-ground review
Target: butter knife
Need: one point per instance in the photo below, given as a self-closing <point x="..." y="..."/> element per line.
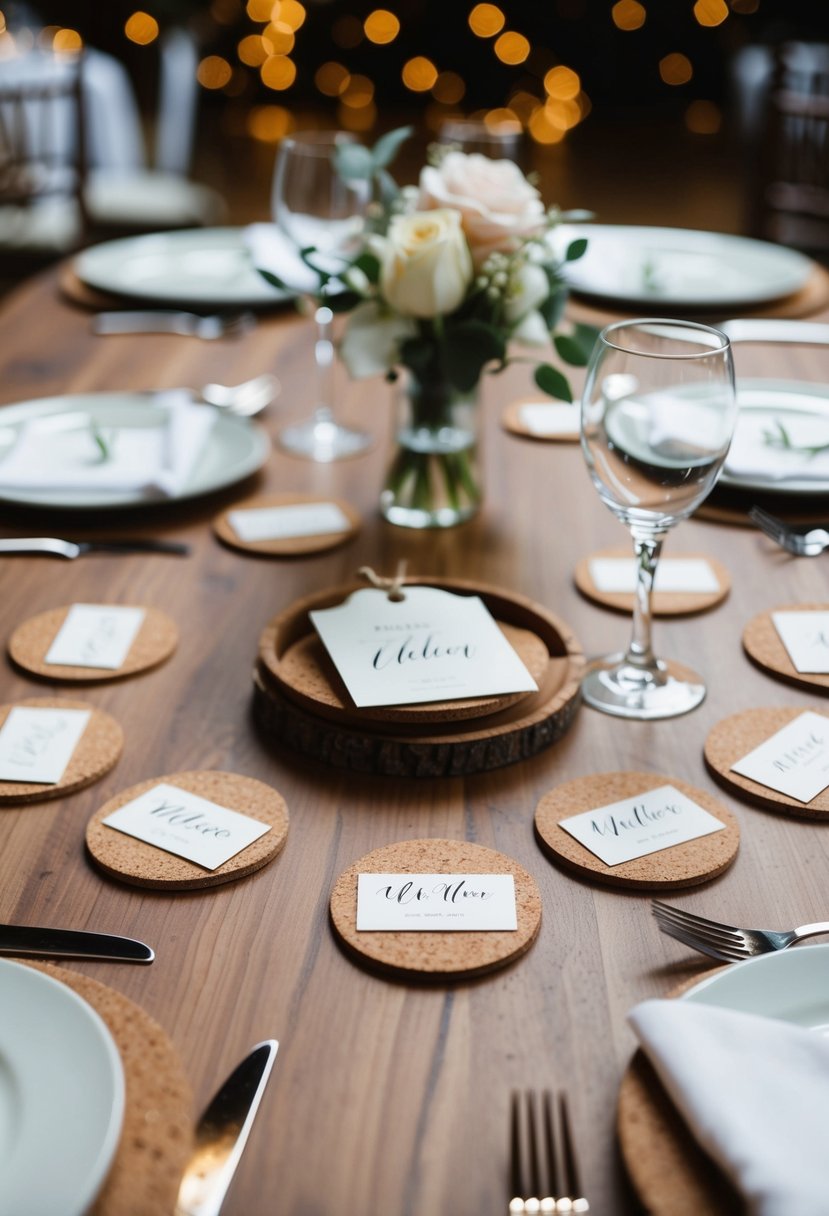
<point x="760" y="329"/>
<point x="30" y="941"/>
<point x="52" y="546"/>
<point x="222" y="1132"/>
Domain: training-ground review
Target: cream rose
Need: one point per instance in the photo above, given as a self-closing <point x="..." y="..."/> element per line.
<point x="425" y="265"/>
<point x="498" y="206"/>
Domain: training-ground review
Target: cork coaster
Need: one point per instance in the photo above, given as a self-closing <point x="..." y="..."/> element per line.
<point x="142" y="865"/>
<point x="664" y="603"/>
<point x="287" y="546"/>
<point x="440" y="954"/>
<point x="682" y="865"/>
<point x="154" y="642"/>
<point x="157" y="1136"/>
<point x="763" y="645"/>
<point x="559" y="426"/>
<point x="99" y="749"/>
<point x="738" y="735"/>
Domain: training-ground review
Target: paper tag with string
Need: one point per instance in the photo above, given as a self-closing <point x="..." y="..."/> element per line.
<point x="403" y="644"/>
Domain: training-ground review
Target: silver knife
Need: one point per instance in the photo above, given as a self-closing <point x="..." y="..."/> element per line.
<point x="759" y="329"/>
<point x="52" y="546"/>
<point x="222" y="1132"/>
<point x="29" y="941"/>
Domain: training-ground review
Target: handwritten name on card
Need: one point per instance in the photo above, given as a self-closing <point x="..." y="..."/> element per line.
<point x="806" y="638"/>
<point x="430" y="646"/>
<point x="431" y="902"/>
<point x="179" y="822"/>
<point x="618" y="575"/>
<point x="634" y="827"/>
<point x="280" y="523"/>
<point x="95" y="635"/>
<point x="37" y="744"/>
<point x="794" y="761"/>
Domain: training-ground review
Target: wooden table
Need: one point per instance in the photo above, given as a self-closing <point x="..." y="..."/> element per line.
<point x="387" y="1096"/>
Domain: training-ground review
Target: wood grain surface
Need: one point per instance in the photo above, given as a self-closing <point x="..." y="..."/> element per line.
<point x="386" y="1096"/>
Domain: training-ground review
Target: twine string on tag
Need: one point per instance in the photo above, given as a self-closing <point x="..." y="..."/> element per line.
<point x="392" y="585"/>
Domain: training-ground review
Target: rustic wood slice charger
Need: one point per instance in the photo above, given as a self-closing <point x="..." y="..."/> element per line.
<point x="319" y="722"/>
<point x="764" y="646"/>
<point x="154" y="642"/>
<point x="286" y="546"/>
<point x="664" y="603"/>
<point x="98" y="750"/>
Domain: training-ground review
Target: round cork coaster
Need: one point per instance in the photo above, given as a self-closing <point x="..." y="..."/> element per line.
<point x="98" y="750"/>
<point x="544" y="421"/>
<point x="154" y="642"/>
<point x="664" y="603"/>
<point x="764" y="646"/>
<point x="287" y="546"/>
<point x="682" y="865"/>
<point x="157" y="1136"/>
<point x="738" y="735"/>
<point x="443" y="953"/>
<point x="143" y="865"/>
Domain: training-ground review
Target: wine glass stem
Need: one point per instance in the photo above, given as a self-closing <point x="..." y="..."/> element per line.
<point x="647" y="548"/>
<point x="324" y="359"/>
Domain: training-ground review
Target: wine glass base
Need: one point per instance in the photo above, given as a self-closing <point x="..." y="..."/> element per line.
<point x="614" y="686"/>
<point x="323" y="441"/>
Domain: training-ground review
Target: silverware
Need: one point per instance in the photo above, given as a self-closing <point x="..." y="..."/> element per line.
<point x="804" y="541"/>
<point x="725" y="942"/>
<point x="52" y="546"/>
<point x="244" y="399"/>
<point x="222" y="1132"/>
<point x="544" y="1173"/>
<point x="758" y="329"/>
<point x="188" y="324"/>
<point x="33" y="942"/>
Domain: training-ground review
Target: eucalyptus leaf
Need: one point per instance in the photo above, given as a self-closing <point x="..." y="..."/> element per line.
<point x="388" y="145"/>
<point x="552" y="382"/>
<point x="354" y="162"/>
<point x="570" y="350"/>
<point x="576" y="249"/>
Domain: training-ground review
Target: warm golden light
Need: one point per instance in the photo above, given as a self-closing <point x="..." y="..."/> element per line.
<point x="259" y="10"/>
<point x="419" y="74"/>
<point x="703" y="118"/>
<point x="278" y="72"/>
<point x="381" y="26"/>
<point x="502" y="121"/>
<point x="347" y="32"/>
<point x="562" y="83"/>
<point x="358" y="93"/>
<point x="628" y="15"/>
<point x="449" y="88"/>
<point x="512" y="47"/>
<point x="523" y="105"/>
<point x="710" y="12"/>
<point x="269" y="124"/>
<point x="213" y="72"/>
<point x="251" y="50"/>
<point x="141" y="28"/>
<point x="542" y="130"/>
<point x="278" y="39"/>
<point x="362" y="119"/>
<point x="486" y="20"/>
<point x="675" y="68"/>
<point x="67" y="41"/>
<point x="332" y="79"/>
<point x="290" y="13"/>
<point x="562" y="114"/>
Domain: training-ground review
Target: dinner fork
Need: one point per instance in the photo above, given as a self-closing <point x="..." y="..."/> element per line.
<point x="544" y="1174"/>
<point x="725" y="942"/>
<point x="803" y="542"/>
<point x="161" y="321"/>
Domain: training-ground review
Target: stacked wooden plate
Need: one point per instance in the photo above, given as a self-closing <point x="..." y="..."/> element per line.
<point x="301" y="701"/>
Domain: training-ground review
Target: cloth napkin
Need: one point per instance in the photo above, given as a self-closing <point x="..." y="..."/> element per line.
<point x="755" y="1093"/>
<point x="751" y="455"/>
<point x="271" y="251"/>
<point x="58" y="454"/>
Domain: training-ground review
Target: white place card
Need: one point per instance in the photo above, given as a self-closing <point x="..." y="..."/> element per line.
<point x="806" y="638"/>
<point x="429" y="646"/>
<point x="431" y="902"/>
<point x="794" y="761"/>
<point x="634" y="827"/>
<point x="280" y="523"/>
<point x="618" y="574"/>
<point x="95" y="635"/>
<point x="37" y="744"/>
<point x="179" y="822"/>
<point x="541" y="418"/>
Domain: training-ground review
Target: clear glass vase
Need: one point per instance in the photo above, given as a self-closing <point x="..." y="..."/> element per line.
<point x="434" y="479"/>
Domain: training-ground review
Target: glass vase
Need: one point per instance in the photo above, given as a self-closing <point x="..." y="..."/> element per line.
<point x="434" y="479"/>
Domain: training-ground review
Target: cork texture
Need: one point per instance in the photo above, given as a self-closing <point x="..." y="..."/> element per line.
<point x="441" y="954"/>
<point x="682" y="865"/>
<point x="157" y="1136"/>
<point x="513" y="422"/>
<point x="738" y="735"/>
<point x="99" y="749"/>
<point x="663" y="603"/>
<point x="763" y="645"/>
<point x="154" y="642"/>
<point x="144" y="865"/>
<point x="289" y="546"/>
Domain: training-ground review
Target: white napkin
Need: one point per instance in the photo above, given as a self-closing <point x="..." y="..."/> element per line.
<point x="57" y="454"/>
<point x="271" y="251"/>
<point x="755" y="1093"/>
<point x="751" y="456"/>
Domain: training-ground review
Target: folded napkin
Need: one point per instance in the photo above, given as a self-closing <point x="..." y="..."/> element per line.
<point x="271" y="251"/>
<point x="751" y="455"/>
<point x="755" y="1093"/>
<point x="58" y="453"/>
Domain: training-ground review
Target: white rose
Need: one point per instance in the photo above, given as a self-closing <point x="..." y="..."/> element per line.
<point x="425" y="265"/>
<point x="371" y="342"/>
<point x="499" y="207"/>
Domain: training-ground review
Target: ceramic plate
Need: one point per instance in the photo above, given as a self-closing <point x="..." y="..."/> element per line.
<point x="792" y="985"/>
<point x="234" y="449"/>
<point x="763" y="405"/>
<point x="199" y="267"/>
<point x="61" y="1096"/>
<point x="676" y="267"/>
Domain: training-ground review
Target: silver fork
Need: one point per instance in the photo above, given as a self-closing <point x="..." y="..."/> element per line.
<point x="807" y="542"/>
<point x="725" y="942"/>
<point x="161" y="321"/>
<point x="544" y="1173"/>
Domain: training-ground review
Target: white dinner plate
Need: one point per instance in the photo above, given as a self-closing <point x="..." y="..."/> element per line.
<point x="763" y="403"/>
<point x="198" y="267"/>
<point x="235" y="447"/>
<point x="61" y="1096"/>
<point x="676" y="267"/>
<point x="792" y="985"/>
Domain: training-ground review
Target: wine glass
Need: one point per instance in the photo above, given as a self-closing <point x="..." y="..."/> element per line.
<point x="658" y="413"/>
<point x="317" y="209"/>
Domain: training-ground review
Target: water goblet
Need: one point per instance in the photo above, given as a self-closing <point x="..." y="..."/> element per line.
<point x="657" y="417"/>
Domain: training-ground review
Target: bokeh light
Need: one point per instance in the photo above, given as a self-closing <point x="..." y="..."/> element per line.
<point x="449" y="88"/>
<point x="278" y="72"/>
<point x="675" y="68"/>
<point x="562" y="83"/>
<point x="251" y="51"/>
<point x="269" y="124"/>
<point x="710" y="12"/>
<point x="358" y="93"/>
<point x="703" y="118"/>
<point x="67" y="41"/>
<point x="381" y="26"/>
<point x="486" y="20"/>
<point x="213" y="72"/>
<point x="332" y="78"/>
<point x="141" y="28"/>
<point x="512" y="47"/>
<point x="419" y="74"/>
<point x="628" y="15"/>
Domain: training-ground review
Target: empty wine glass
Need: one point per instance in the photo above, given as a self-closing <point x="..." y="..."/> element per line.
<point x="503" y="140"/>
<point x="658" y="413"/>
<point x="317" y="209"/>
